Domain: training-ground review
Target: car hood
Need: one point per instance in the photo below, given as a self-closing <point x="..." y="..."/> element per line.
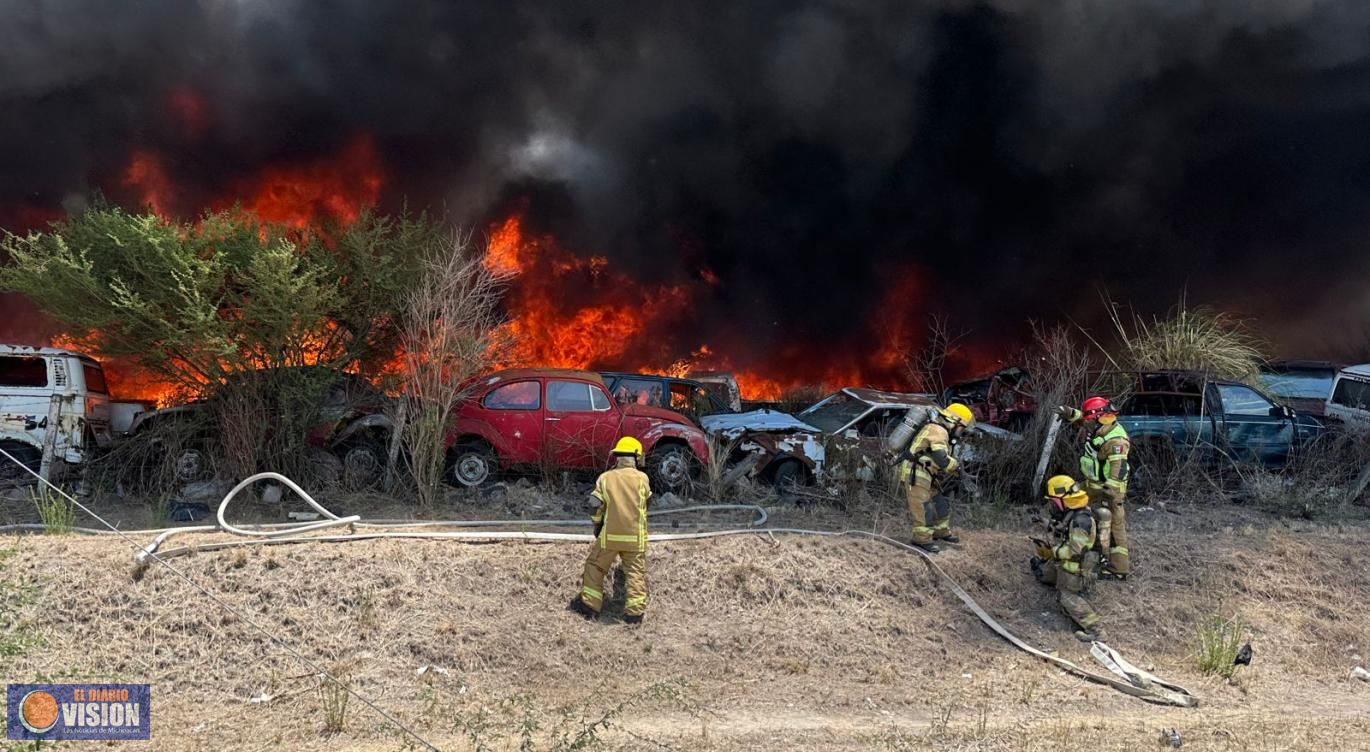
<point x="657" y="413"/>
<point x="756" y="420"/>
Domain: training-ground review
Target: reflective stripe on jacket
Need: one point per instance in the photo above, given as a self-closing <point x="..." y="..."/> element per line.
<point x="930" y="450"/>
<point x="1104" y="459"/>
<point x="622" y="493"/>
<point x="1081" y="532"/>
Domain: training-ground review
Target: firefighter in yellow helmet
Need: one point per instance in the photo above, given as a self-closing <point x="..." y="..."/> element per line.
<point x="1070" y="560"/>
<point x="927" y="466"/>
<point x="620" y="533"/>
<point x="1104" y="468"/>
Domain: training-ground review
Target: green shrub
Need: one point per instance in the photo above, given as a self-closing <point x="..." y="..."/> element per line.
<point x="1219" y="641"/>
<point x="56" y="513"/>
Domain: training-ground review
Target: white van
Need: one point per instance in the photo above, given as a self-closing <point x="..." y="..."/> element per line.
<point x="54" y="409"/>
<point x="1350" y="400"/>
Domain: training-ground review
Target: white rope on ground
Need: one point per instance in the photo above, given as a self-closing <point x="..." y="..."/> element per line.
<point x="311" y="665"/>
<point x="284" y="534"/>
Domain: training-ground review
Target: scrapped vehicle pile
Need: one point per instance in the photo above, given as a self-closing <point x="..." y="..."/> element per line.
<point x="839" y="439"/>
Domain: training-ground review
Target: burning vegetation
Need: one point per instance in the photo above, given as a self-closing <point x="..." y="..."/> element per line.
<point x="562" y="308"/>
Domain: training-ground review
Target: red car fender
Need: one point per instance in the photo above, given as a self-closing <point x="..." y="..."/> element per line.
<point x="465" y="426"/>
<point x="692" y="436"/>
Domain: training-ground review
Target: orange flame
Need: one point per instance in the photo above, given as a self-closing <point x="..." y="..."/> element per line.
<point x="566" y="311"/>
<point x="146" y="175"/>
<point x="300" y="196"/>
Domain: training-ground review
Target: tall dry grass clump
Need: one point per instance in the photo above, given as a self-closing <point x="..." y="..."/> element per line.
<point x="1193" y="339"/>
<point x="448" y="334"/>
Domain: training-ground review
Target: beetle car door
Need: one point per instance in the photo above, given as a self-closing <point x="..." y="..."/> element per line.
<point x="581" y="425"/>
<point x="514" y="413"/>
<point x="1256" y="429"/>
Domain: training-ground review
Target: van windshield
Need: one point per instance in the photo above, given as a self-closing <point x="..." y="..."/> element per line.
<point x="95" y="377"/>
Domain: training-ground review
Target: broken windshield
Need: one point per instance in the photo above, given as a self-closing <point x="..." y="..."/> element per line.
<point x="834" y="413"/>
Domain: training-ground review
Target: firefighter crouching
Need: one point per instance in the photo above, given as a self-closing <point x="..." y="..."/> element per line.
<point x="926" y="466"/>
<point x="1104" y="467"/>
<point x="1070" y="560"/>
<point x="620" y="533"/>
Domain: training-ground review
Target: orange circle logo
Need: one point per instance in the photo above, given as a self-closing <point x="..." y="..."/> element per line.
<point x="38" y="711"/>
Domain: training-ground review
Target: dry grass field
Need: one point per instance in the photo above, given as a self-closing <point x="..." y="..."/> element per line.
<point x="750" y="642"/>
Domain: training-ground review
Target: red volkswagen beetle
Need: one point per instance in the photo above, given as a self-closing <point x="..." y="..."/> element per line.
<point x="564" y="419"/>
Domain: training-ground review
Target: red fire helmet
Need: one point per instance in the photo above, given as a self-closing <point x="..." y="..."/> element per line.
<point x="1096" y="406"/>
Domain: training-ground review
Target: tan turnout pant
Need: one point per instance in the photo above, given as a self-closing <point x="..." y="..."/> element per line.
<point x="597" y="566"/>
<point x="1116" y="543"/>
<point x="931" y="519"/>
<point x="1070" y="589"/>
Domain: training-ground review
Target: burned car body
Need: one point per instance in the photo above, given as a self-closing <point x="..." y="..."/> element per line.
<point x="348" y="431"/>
<point x="1002" y="399"/>
<point x="839" y="438"/>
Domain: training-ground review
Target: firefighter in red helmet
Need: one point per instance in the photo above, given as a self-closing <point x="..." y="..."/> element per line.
<point x="1103" y="465"/>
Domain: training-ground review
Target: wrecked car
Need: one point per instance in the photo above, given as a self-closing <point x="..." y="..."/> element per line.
<point x="53" y="403"/>
<point x="1171" y="415"/>
<point x="1304" y="385"/>
<point x="558" y="419"/>
<point x="1002" y="399"/>
<point x="685" y="396"/>
<point x="722" y="385"/>
<point x="841" y="436"/>
<point x="349" y="440"/>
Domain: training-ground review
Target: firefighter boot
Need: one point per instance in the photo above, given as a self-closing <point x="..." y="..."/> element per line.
<point x="577" y="605"/>
<point x="1093" y="634"/>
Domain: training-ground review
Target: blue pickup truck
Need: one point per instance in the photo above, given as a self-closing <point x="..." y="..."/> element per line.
<point x="1178" y="414"/>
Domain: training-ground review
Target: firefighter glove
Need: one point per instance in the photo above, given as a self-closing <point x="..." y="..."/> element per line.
<point x="1066" y="413"/>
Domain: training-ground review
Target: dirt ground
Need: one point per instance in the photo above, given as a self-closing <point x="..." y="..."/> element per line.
<point x="750" y="642"/>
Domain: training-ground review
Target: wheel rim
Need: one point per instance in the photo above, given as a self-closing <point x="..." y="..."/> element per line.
<point x="472" y="469"/>
<point x="190" y="465"/>
<point x="674" y="469"/>
<point x="361" y="466"/>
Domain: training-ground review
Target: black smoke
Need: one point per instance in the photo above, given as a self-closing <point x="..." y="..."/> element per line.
<point x="1023" y="155"/>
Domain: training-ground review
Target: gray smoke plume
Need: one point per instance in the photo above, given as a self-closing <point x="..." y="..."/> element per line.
<point x="1020" y="154"/>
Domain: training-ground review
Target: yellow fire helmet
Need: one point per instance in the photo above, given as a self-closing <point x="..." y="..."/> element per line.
<point x="959" y="413"/>
<point x="629" y="446"/>
<point x="1065" y="488"/>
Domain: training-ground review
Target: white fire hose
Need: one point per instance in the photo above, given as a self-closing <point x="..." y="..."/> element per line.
<point x="1131" y="681"/>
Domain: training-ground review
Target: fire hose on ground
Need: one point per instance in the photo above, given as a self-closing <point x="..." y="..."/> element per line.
<point x="1126" y="678"/>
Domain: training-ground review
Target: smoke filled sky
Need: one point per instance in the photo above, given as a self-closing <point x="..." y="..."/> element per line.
<point x="1015" y="156"/>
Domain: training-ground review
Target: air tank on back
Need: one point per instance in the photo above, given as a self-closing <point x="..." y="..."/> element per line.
<point x="903" y="431"/>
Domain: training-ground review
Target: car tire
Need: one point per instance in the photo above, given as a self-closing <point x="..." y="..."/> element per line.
<point x="671" y="467"/>
<point x="789" y="475"/>
<point x="471" y="465"/>
<point x="363" y="461"/>
<point x="13" y="476"/>
<point x="192" y="464"/>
